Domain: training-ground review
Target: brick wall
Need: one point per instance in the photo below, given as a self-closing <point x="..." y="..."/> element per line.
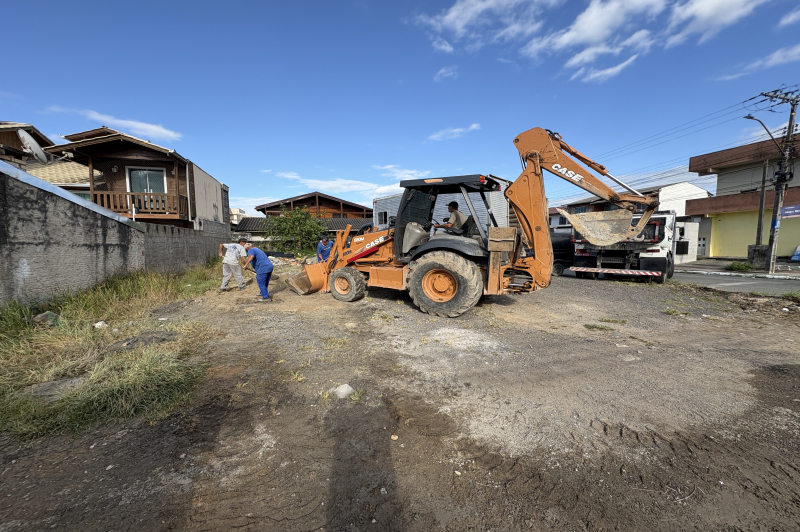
<point x="170" y="248"/>
<point x="50" y="244"/>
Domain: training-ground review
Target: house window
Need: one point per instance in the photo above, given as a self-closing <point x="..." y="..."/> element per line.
<point x="84" y="195"/>
<point x="383" y="218"/>
<point x="610" y="207"/>
<point x="344" y="215"/>
<point x="153" y="180"/>
<point x="562" y="220"/>
<point x="579" y="210"/>
<point x="336" y="215"/>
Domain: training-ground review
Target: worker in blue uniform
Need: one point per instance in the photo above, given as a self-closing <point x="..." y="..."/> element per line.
<point x="263" y="268"/>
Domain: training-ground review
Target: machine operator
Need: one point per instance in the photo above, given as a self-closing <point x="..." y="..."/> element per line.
<point x="456" y="220"/>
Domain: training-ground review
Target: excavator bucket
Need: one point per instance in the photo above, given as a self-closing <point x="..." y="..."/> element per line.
<point x="601" y="228"/>
<point x="310" y="279"/>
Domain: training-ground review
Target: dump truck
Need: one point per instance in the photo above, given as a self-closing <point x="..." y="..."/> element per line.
<point x="447" y="273"/>
<point x="650" y="258"/>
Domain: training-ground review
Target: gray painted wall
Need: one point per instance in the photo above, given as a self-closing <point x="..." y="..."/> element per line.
<point x="51" y="244"/>
<point x="169" y="248"/>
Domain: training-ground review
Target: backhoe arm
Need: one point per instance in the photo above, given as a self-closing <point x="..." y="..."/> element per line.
<point x="542" y="149"/>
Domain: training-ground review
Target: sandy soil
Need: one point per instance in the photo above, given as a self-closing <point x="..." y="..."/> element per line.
<point x="513" y="417"/>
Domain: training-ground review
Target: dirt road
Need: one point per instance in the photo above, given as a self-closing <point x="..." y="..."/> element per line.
<point x="587" y="406"/>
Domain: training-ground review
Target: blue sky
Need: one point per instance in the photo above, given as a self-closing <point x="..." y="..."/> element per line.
<point x="350" y="97"/>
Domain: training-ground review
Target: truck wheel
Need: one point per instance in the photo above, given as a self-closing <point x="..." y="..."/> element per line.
<point x="558" y="269"/>
<point x="347" y="284"/>
<point x="444" y="284"/>
<point x="671" y="267"/>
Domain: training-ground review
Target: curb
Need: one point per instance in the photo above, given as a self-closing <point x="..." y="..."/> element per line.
<point x="755" y="275"/>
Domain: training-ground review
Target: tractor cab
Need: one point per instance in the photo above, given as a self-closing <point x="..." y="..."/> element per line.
<point x="415" y="216"/>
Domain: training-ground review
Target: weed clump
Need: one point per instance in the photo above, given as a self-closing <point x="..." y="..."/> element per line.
<point x="737" y="266"/>
<point x="595" y="327"/>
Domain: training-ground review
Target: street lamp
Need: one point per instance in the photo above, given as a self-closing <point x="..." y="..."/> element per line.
<point x="751" y="117"/>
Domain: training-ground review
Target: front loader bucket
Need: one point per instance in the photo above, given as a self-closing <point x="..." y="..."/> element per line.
<point x="311" y="279"/>
<point x="602" y="228"/>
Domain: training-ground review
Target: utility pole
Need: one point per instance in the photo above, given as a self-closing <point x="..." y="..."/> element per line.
<point x="783" y="175"/>
<point x="760" y="228"/>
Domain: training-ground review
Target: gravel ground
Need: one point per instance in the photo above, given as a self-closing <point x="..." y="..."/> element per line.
<point x="586" y="406"/>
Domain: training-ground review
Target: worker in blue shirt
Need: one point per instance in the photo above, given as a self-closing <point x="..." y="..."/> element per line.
<point x="324" y="249"/>
<point x="263" y="268"/>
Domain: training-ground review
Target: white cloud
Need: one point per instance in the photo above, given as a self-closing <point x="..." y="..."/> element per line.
<point x="441" y="45"/>
<point x="706" y="17"/>
<point x="446" y="72"/>
<point x="790" y="54"/>
<point x="481" y="21"/>
<point x="140" y="129"/>
<point x="249" y="204"/>
<point x="603" y="30"/>
<point x="453" y="132"/>
<point x="396" y="172"/>
<point x="607" y="73"/>
<point x="597" y="25"/>
<point x="364" y="188"/>
<point x="790" y="17"/>
<point x="267" y="171"/>
<point x="56" y="138"/>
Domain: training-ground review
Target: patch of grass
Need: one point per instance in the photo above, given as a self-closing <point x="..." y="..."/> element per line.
<point x="358" y="395"/>
<point x="794" y="293"/>
<point x="595" y="327"/>
<point x="675" y="312"/>
<point x="737" y="266"/>
<point x="332" y="342"/>
<point x="117" y="385"/>
<point x="297" y="376"/>
<point x="612" y="320"/>
<point x="325" y="398"/>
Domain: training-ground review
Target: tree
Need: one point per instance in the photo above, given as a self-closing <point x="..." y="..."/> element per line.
<point x="294" y="231"/>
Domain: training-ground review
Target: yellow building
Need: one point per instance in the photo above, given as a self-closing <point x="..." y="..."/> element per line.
<point x="729" y="221"/>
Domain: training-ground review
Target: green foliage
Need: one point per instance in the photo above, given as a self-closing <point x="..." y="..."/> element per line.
<point x="737" y="266"/>
<point x="294" y="231"/>
<point x="595" y="327"/>
<point x="612" y="320"/>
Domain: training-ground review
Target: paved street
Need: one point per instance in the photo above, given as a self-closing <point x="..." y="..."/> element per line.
<point x="740" y="284"/>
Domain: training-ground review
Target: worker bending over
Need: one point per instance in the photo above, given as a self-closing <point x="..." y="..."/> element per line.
<point x="324" y="249"/>
<point x="263" y="268"/>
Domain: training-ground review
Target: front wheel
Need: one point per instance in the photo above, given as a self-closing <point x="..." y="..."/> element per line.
<point x="444" y="284"/>
<point x="347" y="284"/>
<point x="558" y="269"/>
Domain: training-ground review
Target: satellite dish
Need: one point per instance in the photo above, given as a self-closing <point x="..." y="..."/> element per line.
<point x="31" y="146"/>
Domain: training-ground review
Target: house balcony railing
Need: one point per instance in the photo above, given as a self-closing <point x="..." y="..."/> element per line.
<point x="148" y="204"/>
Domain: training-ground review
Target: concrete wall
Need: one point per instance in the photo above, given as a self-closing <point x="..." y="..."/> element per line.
<point x="50" y="244"/>
<point x="731" y="232"/>
<point x="690" y="232"/>
<point x="208" y="197"/>
<point x="169" y="248"/>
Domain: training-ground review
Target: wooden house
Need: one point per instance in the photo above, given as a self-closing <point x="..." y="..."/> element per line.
<point x="319" y="205"/>
<point x="145" y="181"/>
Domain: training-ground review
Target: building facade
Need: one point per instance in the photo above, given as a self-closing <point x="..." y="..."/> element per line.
<point x="319" y="205"/>
<point x="729" y="221"/>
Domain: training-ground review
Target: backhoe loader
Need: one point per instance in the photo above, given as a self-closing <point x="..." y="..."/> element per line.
<point x="447" y="273"/>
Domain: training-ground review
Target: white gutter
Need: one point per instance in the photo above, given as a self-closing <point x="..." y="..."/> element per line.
<point x="41" y="184"/>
